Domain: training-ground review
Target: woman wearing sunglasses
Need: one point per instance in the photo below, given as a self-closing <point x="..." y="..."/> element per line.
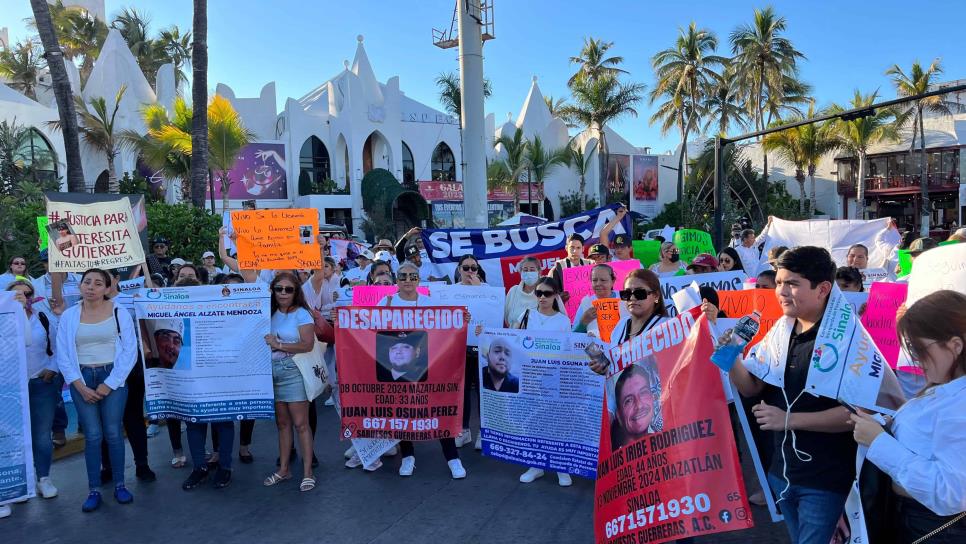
<point x="293" y="331"/>
<point x="16" y="269"/>
<point x="924" y="450"/>
<point x="670" y="263"/>
<point x="469" y="273"/>
<point x="407" y="279"/>
<point x="602" y="280"/>
<point x="549" y="316"/>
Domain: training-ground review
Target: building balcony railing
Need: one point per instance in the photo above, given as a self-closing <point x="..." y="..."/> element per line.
<point x="905" y="181"/>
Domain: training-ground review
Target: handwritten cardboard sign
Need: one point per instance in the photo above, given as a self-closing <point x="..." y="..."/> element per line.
<point x="577" y="281"/>
<point x="608" y="316"/>
<point x="737" y="304"/>
<point x="370" y="295"/>
<point x="880" y="317"/>
<point x="42" y="231"/>
<point x="691" y="242"/>
<point x="97" y="235"/>
<point x="647" y="251"/>
<point x="277" y="239"/>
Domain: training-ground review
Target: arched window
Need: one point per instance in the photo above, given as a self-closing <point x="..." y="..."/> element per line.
<point x="444" y="165"/>
<point x="313" y="165"/>
<point x="37" y="154"/>
<point x="101" y="183"/>
<point x="408" y="165"/>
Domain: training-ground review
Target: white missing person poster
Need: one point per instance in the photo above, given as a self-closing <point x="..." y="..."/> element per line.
<point x="17" y="479"/>
<point x="485" y="304"/>
<point x="540" y="404"/>
<point x="204" y="352"/>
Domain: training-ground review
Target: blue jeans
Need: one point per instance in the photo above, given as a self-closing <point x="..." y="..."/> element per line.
<point x="197" y="432"/>
<point x="101" y="421"/>
<point x="810" y="514"/>
<point x="43" y="403"/>
<point x="60" y="416"/>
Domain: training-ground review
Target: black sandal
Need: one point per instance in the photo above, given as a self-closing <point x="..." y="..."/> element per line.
<point x="246" y="458"/>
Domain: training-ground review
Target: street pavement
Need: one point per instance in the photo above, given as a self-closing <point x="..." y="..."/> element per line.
<point x="348" y="506"/>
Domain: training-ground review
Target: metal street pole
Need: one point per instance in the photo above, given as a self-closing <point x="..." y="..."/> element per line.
<point x="718" y="193"/>
<point x="471" y="109"/>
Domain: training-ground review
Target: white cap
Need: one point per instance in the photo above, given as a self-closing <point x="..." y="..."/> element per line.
<point x="207" y="254"/>
<point x="366" y="254"/>
<point x="178" y="261"/>
<point x="384" y="256"/>
<point x="174" y="325"/>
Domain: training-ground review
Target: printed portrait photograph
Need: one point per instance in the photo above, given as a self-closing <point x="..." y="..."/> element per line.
<point x="634" y="403"/>
<point x="401" y="356"/>
<point x="62" y="235"/>
<point x="167" y="343"/>
<point x="501" y="361"/>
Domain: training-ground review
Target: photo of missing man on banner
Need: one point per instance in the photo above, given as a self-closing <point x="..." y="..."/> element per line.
<point x="62" y="235"/>
<point x="401" y="356"/>
<point x="499" y="359"/>
<point x="635" y="404"/>
<point x="166" y="343"/>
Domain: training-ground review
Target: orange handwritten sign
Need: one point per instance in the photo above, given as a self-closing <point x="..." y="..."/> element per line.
<point x="738" y="304"/>
<point x="277" y="239"/>
<point x="608" y="315"/>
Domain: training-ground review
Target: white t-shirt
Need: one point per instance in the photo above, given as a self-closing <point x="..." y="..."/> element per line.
<point x="96" y="342"/>
<point x="656" y="269"/>
<point x="536" y="321"/>
<point x="517" y="302"/>
<point x="285" y="327"/>
<point x="587" y="303"/>
<point x="37" y="358"/>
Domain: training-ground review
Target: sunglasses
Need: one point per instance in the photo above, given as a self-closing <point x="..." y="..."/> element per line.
<point x="913" y="353"/>
<point x="408" y="277"/>
<point x="640" y="293"/>
<point x="287" y="289"/>
<point x="539" y="293"/>
<point x="470" y="268"/>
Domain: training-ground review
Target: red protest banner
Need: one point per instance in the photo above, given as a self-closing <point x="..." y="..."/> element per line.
<point x="401" y="371"/>
<point x="667" y="467"/>
<point x="511" y="265"/>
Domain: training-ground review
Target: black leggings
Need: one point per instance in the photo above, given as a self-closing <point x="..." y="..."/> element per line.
<point x="133" y="420"/>
<point x="472" y="379"/>
<point x="449" y="448"/>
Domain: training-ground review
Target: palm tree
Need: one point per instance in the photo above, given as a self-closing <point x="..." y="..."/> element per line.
<point x="542" y="160"/>
<point x="723" y="106"/>
<point x="764" y="62"/>
<point x="62" y="93"/>
<point x="593" y="61"/>
<point x="683" y="72"/>
<point x="96" y="128"/>
<point x="177" y="50"/>
<point x="581" y="165"/>
<point x="21" y="65"/>
<point x="166" y="147"/>
<point x="80" y="34"/>
<point x="516" y="149"/>
<point x="857" y="135"/>
<point x="597" y="102"/>
<point x="817" y="139"/>
<point x="919" y="81"/>
<point x="227" y="136"/>
<point x="199" y="103"/>
<point x="448" y="85"/>
<point x="554" y="104"/>
<point x="789" y="146"/>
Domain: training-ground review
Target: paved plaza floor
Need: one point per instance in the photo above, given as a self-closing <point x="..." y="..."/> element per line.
<point x="348" y="506"/>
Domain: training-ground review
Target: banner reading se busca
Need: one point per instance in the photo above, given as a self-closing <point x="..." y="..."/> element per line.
<point x="401" y="371"/>
<point x="539" y="400"/>
<point x="668" y="467"/>
<point x="204" y="352"/>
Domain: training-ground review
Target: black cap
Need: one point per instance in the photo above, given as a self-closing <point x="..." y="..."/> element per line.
<point x="412" y="251"/>
<point x="160" y="240"/>
<point x="621" y="240"/>
<point x="399" y="337"/>
<point x="599" y="249"/>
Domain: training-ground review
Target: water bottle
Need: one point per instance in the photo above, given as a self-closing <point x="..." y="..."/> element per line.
<point x="733" y="341"/>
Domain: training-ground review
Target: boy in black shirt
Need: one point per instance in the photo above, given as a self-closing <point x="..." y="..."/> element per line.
<point x="813" y="464"/>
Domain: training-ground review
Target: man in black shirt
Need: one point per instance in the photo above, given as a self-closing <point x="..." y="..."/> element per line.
<point x="813" y="464"/>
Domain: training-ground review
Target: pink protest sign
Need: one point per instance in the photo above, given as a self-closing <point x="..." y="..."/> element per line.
<point x="370" y="295"/>
<point x="577" y="281"/>
<point x="880" y="317"/>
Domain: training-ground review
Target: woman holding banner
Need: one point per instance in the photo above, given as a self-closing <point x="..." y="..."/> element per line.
<point x="520" y="297"/>
<point x="96" y="350"/>
<point x="602" y="279"/>
<point x="670" y="263"/>
<point x="925" y="453"/>
<point x="293" y="331"/>
<point x="407" y="279"/>
<point x="469" y="273"/>
<point x="549" y="316"/>
<point x="231" y="263"/>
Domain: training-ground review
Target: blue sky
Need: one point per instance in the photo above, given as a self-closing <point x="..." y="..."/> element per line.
<point x="300" y="44"/>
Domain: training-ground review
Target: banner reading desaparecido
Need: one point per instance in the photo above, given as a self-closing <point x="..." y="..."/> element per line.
<point x="491" y="245"/>
<point x="97" y="235"/>
<point x="204" y="352"/>
<point x="668" y="466"/>
<point x="401" y="371"/>
<point x="17" y="478"/>
<point x="539" y="401"/>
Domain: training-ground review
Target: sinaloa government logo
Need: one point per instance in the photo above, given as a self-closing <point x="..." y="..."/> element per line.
<point x="527" y="342"/>
<point x="832" y="360"/>
<point x="153" y="294"/>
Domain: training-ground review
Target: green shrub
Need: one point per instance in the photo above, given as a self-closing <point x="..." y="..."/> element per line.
<point x="192" y="231"/>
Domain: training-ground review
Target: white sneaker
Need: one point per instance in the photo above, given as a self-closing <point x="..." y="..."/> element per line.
<point x="330" y="401"/>
<point x="465" y="437"/>
<point x="4" y="511"/>
<point x="373" y="467"/>
<point x="46" y="488"/>
<point x="531" y="474"/>
<point x="479" y="443"/>
<point x="153" y="430"/>
<point x="353" y="462"/>
<point x="456" y="469"/>
<point x="391" y="451"/>
<point x="564" y="479"/>
<point x="407" y="466"/>
<point x="350" y="452"/>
